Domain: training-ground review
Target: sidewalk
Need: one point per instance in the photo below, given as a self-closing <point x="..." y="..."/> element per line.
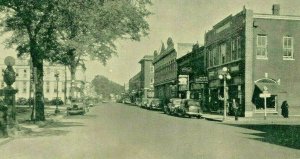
<point x="272" y="119"/>
<point x="28" y="127"/>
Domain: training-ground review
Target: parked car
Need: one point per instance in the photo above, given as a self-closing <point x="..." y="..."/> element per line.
<point x="76" y="109"/>
<point x="127" y="101"/>
<point x="22" y="101"/>
<point x="148" y="104"/>
<point x="57" y="101"/>
<point x="138" y="102"/>
<point x="156" y="104"/>
<point x="172" y="106"/>
<point x="189" y="107"/>
<point x="144" y="102"/>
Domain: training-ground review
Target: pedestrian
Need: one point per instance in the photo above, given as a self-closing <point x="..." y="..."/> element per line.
<point x="285" y="109"/>
<point x="235" y="108"/>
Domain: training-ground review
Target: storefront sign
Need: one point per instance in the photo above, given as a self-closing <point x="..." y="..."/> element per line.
<point x="235" y="68"/>
<point x="183" y="79"/>
<point x="183" y="88"/>
<point x="211" y="74"/>
<point x="196" y="86"/>
<point x="186" y="69"/>
<point x="202" y="79"/>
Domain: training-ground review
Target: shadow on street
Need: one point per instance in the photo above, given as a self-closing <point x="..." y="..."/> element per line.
<point x="283" y="135"/>
<point x="51" y="129"/>
<point x="62" y="124"/>
<point x="86" y="116"/>
<point x="46" y="132"/>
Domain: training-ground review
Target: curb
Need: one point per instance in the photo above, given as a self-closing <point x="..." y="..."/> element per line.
<point x="212" y="119"/>
<point x="5" y="140"/>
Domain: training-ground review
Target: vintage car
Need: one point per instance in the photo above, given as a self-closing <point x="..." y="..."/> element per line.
<point x="172" y="106"/>
<point x="144" y="102"/>
<point x="138" y="102"/>
<point x="148" y="104"/>
<point x="156" y="104"/>
<point x="76" y="109"/>
<point x="190" y="108"/>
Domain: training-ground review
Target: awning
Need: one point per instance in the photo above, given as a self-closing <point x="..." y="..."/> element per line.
<point x="272" y="88"/>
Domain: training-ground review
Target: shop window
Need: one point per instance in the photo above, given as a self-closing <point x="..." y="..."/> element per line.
<point x="288" y="52"/>
<point x="261" y="47"/>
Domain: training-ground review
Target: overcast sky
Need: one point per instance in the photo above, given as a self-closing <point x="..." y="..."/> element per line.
<point x="184" y="21"/>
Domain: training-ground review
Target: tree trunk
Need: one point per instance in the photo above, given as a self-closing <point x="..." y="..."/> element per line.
<point x="37" y="62"/>
<point x="73" y="80"/>
<point x="72" y="66"/>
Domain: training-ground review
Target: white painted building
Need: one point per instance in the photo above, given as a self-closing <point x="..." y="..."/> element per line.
<point x="22" y="68"/>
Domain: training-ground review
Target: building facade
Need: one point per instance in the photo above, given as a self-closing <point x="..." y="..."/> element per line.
<point x="147" y="76"/>
<point x="165" y="72"/>
<point x="135" y="90"/>
<point x="258" y="51"/>
<point x="192" y="67"/>
<point x="23" y="82"/>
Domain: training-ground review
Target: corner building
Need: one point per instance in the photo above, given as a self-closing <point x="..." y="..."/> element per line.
<point x="260" y="52"/>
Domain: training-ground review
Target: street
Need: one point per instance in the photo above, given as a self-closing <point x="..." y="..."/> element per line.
<point x="119" y="131"/>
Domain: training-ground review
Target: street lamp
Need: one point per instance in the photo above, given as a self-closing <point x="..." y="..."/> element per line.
<point x="56" y="75"/>
<point x="225" y="76"/>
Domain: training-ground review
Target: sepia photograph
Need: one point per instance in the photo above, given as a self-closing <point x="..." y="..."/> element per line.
<point x="150" y="79"/>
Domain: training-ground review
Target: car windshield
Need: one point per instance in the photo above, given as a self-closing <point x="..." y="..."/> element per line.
<point x="177" y="101"/>
<point x="156" y="101"/>
<point x="193" y="103"/>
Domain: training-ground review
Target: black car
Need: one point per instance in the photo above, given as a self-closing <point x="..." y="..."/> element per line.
<point x="156" y="104"/>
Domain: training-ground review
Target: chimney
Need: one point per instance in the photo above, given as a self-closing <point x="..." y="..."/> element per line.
<point x="276" y="9"/>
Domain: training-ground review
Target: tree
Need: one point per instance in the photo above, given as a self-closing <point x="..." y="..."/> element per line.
<point x="65" y="31"/>
<point x="90" y="29"/>
<point x="104" y="86"/>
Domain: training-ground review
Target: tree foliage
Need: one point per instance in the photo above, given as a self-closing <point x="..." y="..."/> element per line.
<point x="104" y="86"/>
<point x="68" y="31"/>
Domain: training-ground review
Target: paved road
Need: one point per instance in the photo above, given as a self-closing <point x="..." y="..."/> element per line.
<point x="118" y="131"/>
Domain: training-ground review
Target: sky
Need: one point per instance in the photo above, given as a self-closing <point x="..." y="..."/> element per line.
<point x="186" y="21"/>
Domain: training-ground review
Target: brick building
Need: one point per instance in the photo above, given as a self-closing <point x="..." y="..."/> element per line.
<point x="135" y="90"/>
<point x="147" y="76"/>
<point x="259" y="51"/>
<point x="165" y="72"/>
<point x="192" y="65"/>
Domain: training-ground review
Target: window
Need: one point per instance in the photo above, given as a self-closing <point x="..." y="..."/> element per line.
<point x="261" y="48"/>
<point x="151" y="81"/>
<point x="24" y="87"/>
<point x="47" y="87"/>
<point x="222" y="53"/>
<point x="288" y="51"/>
<point x="55" y="86"/>
<point x="152" y="69"/>
<point x="233" y="49"/>
<point x="239" y="47"/>
<point x="25" y="73"/>
<point x="215" y="56"/>
<point x="62" y="86"/>
<point x="210" y="58"/>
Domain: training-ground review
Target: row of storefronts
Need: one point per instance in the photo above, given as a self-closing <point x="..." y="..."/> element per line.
<point x="244" y="57"/>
